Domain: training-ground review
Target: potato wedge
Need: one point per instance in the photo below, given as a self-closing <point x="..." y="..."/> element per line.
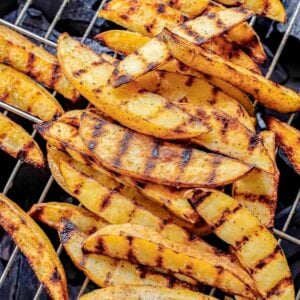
<point x="15" y="141"/>
<point x="253" y="244"/>
<point x="115" y="208"/>
<point x="165" y="197"/>
<point x="36" y="246"/>
<point x="127" y="42"/>
<point x="145" y="158"/>
<point x="257" y="191"/>
<point x="52" y="213"/>
<point x="132" y="14"/>
<point x="268" y="93"/>
<point x="20" y="91"/>
<point x="231" y="138"/>
<point x="244" y="35"/>
<point x="130" y="105"/>
<point x="106" y="271"/>
<point x="65" y="138"/>
<point x="156" y="53"/>
<point x="174" y="200"/>
<point x="145" y="246"/>
<point x="185" y="89"/>
<point x="24" y="56"/>
<point x="288" y="139"/>
<point x="191" y="8"/>
<point x="135" y="292"/>
<point x="272" y="9"/>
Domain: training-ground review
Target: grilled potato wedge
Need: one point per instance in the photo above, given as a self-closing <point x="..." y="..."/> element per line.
<point x="127" y="42"/>
<point x="135" y="292"/>
<point x="132" y="15"/>
<point x="185" y="89"/>
<point x="24" y="56"/>
<point x="244" y="35"/>
<point x="20" y="91"/>
<point x="231" y="138"/>
<point x="165" y="196"/>
<point x="115" y="208"/>
<point x="106" y="271"/>
<point x="268" y="93"/>
<point x="130" y="105"/>
<point x="52" y="213"/>
<point x="145" y="158"/>
<point x="15" y="141"/>
<point x="36" y="246"/>
<point x="254" y="245"/>
<point x="257" y="191"/>
<point x="288" y="139"/>
<point x="191" y="8"/>
<point x="156" y="53"/>
<point x="145" y="246"/>
<point x="174" y="200"/>
<point x="272" y="9"/>
<point x="65" y="138"/>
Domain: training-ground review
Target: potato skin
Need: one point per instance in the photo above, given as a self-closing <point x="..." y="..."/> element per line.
<point x="254" y="245"/>
<point x="268" y="93"/>
<point x="15" y="141"/>
<point x="145" y="158"/>
<point x="20" y="91"/>
<point x="23" y="55"/>
<point x="130" y="105"/>
<point x="36" y="246"/>
<point x="134" y="292"/>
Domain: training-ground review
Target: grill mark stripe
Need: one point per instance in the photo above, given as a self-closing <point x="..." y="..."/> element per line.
<point x="263" y="262"/>
<point x="198" y="198"/>
<point x="226" y="213"/>
<point x="214" y="165"/>
<point x="30" y="64"/>
<point x="151" y="160"/>
<point x="283" y="282"/>
<point x="123" y="146"/>
<point x="55" y="75"/>
<point x="107" y="200"/>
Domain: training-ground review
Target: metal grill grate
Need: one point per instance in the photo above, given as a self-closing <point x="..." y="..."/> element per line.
<point x="281" y="233"/>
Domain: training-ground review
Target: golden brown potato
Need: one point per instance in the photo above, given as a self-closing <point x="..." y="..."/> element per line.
<point x="145" y="17"/>
<point x="155" y="53"/>
<point x="24" y="56"/>
<point x="117" y="208"/>
<point x="145" y="158"/>
<point x="268" y="93"/>
<point x="145" y="246"/>
<point x="190" y="8"/>
<point x="106" y="271"/>
<point x="66" y="137"/>
<point x="244" y="35"/>
<point x="52" y="213"/>
<point x="15" y="141"/>
<point x="36" y="246"/>
<point x="257" y="191"/>
<point x="130" y="105"/>
<point x="231" y="138"/>
<point x="20" y="91"/>
<point x="288" y="139"/>
<point x="134" y="292"/>
<point x="272" y="9"/>
<point x="175" y="201"/>
<point x="253" y="244"/>
<point x="127" y="42"/>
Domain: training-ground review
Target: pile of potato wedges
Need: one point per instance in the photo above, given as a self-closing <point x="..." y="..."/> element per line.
<point x="167" y="128"/>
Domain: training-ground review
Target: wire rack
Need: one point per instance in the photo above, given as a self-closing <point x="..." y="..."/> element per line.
<point x="44" y="40"/>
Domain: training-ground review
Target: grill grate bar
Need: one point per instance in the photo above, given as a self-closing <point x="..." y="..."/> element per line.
<point x="31" y="118"/>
